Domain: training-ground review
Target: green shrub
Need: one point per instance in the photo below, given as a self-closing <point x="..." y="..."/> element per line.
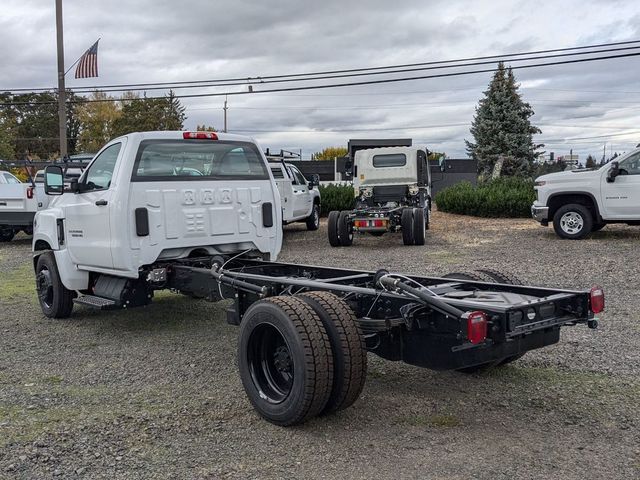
<point x="336" y="197"/>
<point x="503" y="197"/>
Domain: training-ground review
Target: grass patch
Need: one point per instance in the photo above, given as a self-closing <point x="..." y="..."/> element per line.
<point x="18" y="284"/>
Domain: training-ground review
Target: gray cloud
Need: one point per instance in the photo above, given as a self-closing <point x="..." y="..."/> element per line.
<point x="165" y="41"/>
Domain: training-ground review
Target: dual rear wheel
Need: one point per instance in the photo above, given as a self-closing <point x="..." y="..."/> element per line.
<point x="301" y="356"/>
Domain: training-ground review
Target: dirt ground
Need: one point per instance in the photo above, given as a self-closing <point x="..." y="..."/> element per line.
<point x="154" y="392"/>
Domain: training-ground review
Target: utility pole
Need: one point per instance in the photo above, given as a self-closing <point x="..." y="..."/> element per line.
<point x="62" y="116"/>
<point x="225" y="115"/>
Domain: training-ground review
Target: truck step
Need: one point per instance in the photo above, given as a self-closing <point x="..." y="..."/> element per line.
<point x="95" y="302"/>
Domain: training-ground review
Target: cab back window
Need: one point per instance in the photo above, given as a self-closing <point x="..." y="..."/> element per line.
<point x="167" y="160"/>
<point x="390" y="160"/>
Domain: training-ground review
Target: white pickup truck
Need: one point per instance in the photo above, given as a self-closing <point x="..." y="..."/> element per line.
<point x="299" y="197"/>
<point x="579" y="202"/>
<point x="18" y="204"/>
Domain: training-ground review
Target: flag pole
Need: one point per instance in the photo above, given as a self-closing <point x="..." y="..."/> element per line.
<point x="62" y="117"/>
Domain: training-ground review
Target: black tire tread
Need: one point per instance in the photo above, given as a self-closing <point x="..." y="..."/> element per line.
<point x="418" y="226"/>
<point x="63" y="303"/>
<point x="406" y="223"/>
<point x="311" y="225"/>
<point x="501" y="277"/>
<point x="332" y="228"/>
<point x="319" y="362"/>
<point x="347" y="387"/>
<point x="467" y="275"/>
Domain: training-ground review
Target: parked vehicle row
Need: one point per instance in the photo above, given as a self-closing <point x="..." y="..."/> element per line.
<point x="139" y="220"/>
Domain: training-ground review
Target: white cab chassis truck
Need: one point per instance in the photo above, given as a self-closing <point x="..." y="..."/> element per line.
<point x="392" y="186"/>
<point x="299" y="197"/>
<point x="579" y="202"/>
<point x="199" y="213"/>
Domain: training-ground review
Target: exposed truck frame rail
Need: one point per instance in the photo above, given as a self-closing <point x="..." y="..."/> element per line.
<point x="441" y="323"/>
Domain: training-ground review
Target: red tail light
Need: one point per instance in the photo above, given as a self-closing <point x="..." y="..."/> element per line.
<point x="199" y="135"/>
<point x="30" y="193"/>
<point x="596" y="299"/>
<point x="378" y="223"/>
<point x="476" y="326"/>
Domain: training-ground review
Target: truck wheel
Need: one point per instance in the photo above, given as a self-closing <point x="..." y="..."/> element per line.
<point x="472" y="276"/>
<point x="406" y="223"/>
<point x="345" y="232"/>
<point x="6" y="233"/>
<point x="332" y="228"/>
<point x="285" y="360"/>
<point x="573" y="221"/>
<point x="347" y="344"/>
<point x="500" y="277"/>
<point x="313" y="220"/>
<point x="418" y="226"/>
<point x="55" y="299"/>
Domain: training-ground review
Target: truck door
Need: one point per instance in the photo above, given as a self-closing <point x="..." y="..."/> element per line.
<point x="285" y="188"/>
<point x="621" y="198"/>
<point x="301" y="199"/>
<point x="87" y="220"/>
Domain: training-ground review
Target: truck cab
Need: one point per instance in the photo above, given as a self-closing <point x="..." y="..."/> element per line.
<point x="158" y="196"/>
<point x="579" y="202"/>
<point x="299" y="197"/>
<point x="392" y="186"/>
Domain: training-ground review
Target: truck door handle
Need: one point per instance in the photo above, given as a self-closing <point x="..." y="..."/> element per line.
<point x="101" y="203"/>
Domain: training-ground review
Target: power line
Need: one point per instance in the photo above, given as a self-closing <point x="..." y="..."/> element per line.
<point x="348" y="84"/>
<point x="357" y="73"/>
<point x="371" y="70"/>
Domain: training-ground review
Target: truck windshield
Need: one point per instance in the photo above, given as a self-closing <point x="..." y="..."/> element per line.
<point x="167" y="160"/>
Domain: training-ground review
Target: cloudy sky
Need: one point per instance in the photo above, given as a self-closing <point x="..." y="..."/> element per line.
<point x="581" y="107"/>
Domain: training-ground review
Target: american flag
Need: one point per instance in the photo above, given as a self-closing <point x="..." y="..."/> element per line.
<point x="88" y="64"/>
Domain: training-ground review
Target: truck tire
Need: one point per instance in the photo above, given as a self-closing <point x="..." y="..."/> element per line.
<point x="285" y="360"/>
<point x="345" y="232"/>
<point x="418" y="226"/>
<point x="55" y="299"/>
<point x="332" y="228"/>
<point x="500" y="277"/>
<point x="347" y="344"/>
<point x="313" y="220"/>
<point x="406" y="223"/>
<point x="573" y="221"/>
<point x="472" y="276"/>
<point x="6" y="233"/>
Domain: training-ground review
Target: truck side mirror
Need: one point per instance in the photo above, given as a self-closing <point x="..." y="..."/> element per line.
<point x="614" y="171"/>
<point x="442" y="163"/>
<point x="53" y="180"/>
<point x="314" y="180"/>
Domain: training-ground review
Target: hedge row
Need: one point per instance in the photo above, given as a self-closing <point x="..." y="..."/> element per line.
<point x="336" y="197"/>
<point x="502" y="197"/>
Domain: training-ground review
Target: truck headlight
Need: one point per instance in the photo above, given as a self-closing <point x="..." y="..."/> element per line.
<point x="413" y="190"/>
<point x="540" y="183"/>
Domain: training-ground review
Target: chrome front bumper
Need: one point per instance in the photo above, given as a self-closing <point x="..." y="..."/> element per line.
<point x="540" y="214"/>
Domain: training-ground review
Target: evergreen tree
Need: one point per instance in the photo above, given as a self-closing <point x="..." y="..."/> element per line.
<point x="590" y="162"/>
<point x="501" y="127"/>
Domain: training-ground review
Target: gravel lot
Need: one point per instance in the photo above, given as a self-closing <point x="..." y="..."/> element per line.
<point x="154" y="392"/>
